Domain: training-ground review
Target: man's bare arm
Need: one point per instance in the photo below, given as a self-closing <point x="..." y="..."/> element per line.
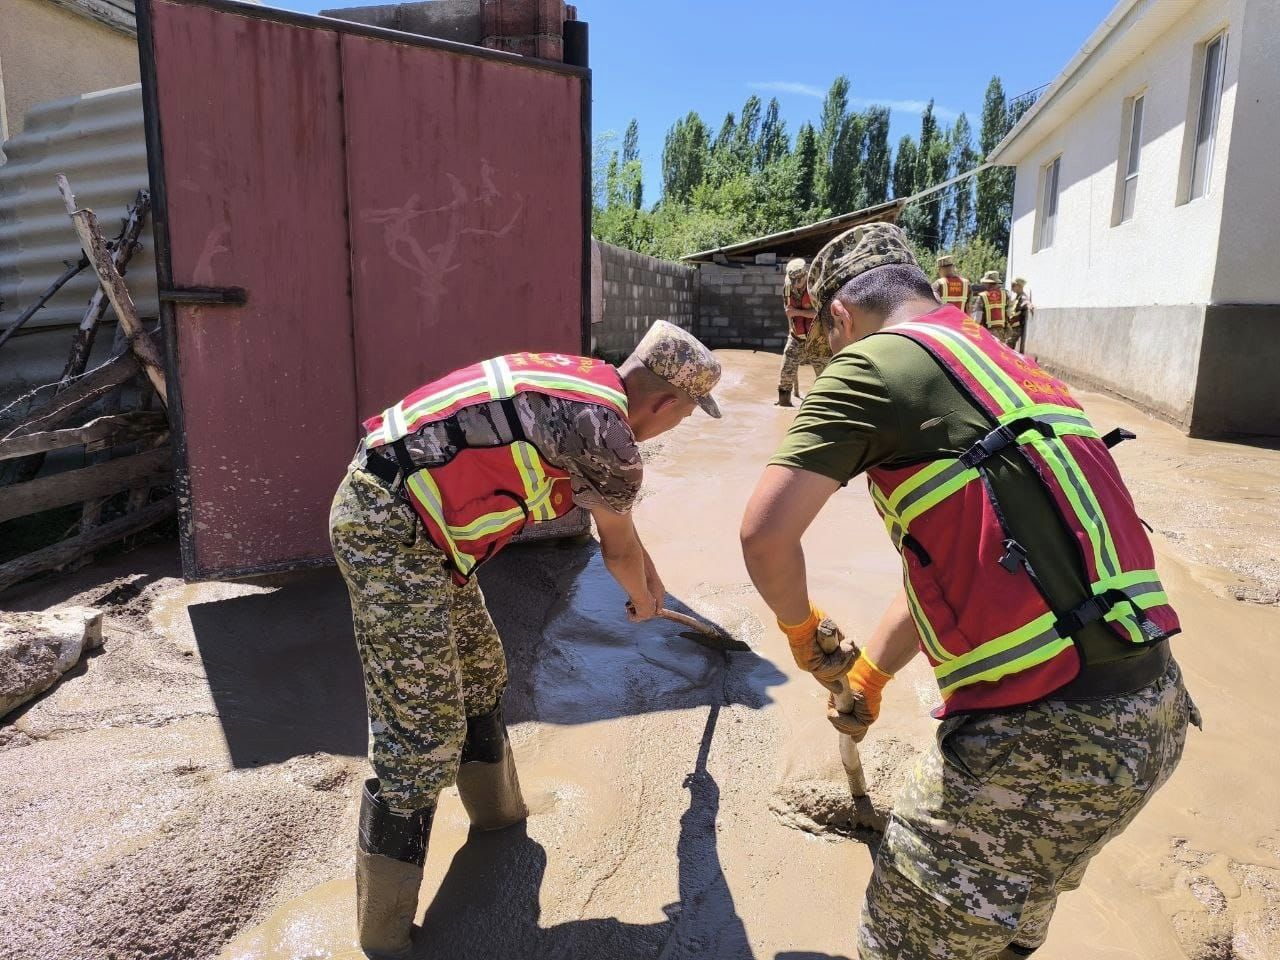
<point x="625" y="559"/>
<point x="784" y="503"/>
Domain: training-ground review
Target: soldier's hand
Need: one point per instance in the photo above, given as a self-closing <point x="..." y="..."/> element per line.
<point x="820" y="647"/>
<point x="866" y="684"/>
<point x="640" y="609"/>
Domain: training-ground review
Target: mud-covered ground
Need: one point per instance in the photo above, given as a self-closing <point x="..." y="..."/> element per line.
<point x="191" y="789"/>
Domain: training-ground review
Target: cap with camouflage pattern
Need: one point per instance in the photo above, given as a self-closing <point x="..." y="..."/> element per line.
<point x="946" y="261"/>
<point x="853" y="253"/>
<point x="991" y="276"/>
<point x="1019" y="281"/>
<point x="682" y="360"/>
<point x="795" y="268"/>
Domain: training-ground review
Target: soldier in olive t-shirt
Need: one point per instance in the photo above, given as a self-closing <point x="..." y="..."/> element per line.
<point x="885" y="401"/>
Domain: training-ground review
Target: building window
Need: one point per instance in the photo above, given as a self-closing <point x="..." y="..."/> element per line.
<point x="1048" y="203"/>
<point x="1131" y="158"/>
<point x="1210" y="99"/>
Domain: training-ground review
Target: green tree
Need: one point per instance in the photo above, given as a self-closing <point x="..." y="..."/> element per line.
<point x="932" y="161"/>
<point x="958" y="225"/>
<point x="684" y="158"/>
<point x="995" y="198"/>
<point x="835" y="107"/>
<point x="773" y="144"/>
<point x="845" y="188"/>
<point x="875" y="165"/>
<point x="744" y="137"/>
<point x="631" y="142"/>
<point x="806" y="168"/>
<point x="904" y="167"/>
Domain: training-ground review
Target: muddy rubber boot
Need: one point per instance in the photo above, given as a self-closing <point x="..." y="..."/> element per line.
<point x="389" y="862"/>
<point x="487" y="780"/>
<point x="784" y="397"/>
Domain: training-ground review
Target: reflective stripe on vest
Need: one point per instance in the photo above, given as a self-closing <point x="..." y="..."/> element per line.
<point x="472" y="533"/>
<point x="1126" y="599"/>
<point x="955" y="291"/>
<point x="993" y="307"/>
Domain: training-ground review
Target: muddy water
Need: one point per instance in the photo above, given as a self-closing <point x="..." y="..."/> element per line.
<point x="686" y="802"/>
<point x="690" y="803"/>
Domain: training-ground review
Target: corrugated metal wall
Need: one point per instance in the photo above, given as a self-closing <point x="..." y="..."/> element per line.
<point x="97" y="140"/>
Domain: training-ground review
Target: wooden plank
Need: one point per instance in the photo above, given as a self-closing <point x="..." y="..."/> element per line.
<point x="85" y="391"/>
<point x="60" y="554"/>
<point x="75" y="486"/>
<point x="100" y="259"/>
<point x="109" y="430"/>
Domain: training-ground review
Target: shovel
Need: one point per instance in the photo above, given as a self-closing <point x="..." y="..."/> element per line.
<point x="701" y="632"/>
<point x="864" y="814"/>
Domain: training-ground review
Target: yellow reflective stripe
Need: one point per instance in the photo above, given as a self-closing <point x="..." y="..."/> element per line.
<point x="535" y="378"/>
<point x="1014" y="651"/>
<point x="928" y="636"/>
<point x="488" y="524"/>
<point x="537" y="488"/>
<point x="440" y="401"/>
<point x="499" y="378"/>
<point x="947" y="484"/>
<point x="425" y="492"/>
<point x="918" y="479"/>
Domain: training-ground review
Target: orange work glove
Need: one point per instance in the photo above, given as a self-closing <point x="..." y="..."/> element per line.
<point x="808" y="652"/>
<point x="866" y="683"/>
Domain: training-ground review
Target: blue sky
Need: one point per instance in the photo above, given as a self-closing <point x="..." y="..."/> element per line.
<point x="655" y="60"/>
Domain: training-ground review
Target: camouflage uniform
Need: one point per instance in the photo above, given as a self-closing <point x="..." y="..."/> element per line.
<point x="430" y="652"/>
<point x="1003" y="814"/>
<point x="813" y="349"/>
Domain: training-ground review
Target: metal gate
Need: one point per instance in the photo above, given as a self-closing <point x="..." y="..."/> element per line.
<point x="392" y="206"/>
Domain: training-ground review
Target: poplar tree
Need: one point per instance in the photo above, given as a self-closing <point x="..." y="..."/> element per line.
<point x="994" y="197"/>
<point x="684" y="158"/>
<point x="845" y="189"/>
<point x="875" y="165"/>
<point x="772" y="145"/>
<point x="958" y="227"/>
<point x="806" y="165"/>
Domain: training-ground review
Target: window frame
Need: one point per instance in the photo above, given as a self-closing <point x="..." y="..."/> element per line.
<point x="1129" y="163"/>
<point x="1050" y="171"/>
<point x="1198" y="175"/>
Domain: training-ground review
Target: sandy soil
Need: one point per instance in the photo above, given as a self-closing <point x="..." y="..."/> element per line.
<point x="192" y="788"/>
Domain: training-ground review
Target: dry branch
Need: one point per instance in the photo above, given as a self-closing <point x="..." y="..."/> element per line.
<point x="111" y="431"/>
<point x="27" y="314"/>
<point x="86" y="483"/>
<point x="84" y="392"/>
<point x="95" y="248"/>
<point x="61" y="554"/>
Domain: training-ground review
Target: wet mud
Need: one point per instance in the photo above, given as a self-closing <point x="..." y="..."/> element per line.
<point x="190" y="791"/>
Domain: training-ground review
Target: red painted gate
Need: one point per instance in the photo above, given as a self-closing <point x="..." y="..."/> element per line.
<point x="393" y="207"/>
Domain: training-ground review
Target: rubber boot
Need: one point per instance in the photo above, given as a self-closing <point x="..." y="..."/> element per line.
<point x="389" y="862"/>
<point x="784" y="397"/>
<point x="487" y="780"/>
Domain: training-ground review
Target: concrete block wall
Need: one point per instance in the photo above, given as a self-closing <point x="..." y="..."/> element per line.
<point x="634" y="291"/>
<point x="741" y="306"/>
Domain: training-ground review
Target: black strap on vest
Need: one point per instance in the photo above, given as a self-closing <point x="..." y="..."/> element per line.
<point x="1002" y="437"/>
<point x="1117" y="436"/>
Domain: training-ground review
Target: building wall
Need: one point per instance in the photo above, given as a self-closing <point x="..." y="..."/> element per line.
<point x="1166" y="253"/>
<point x="48" y="53"/>
<point x="741" y="306"/>
<point x="636" y="290"/>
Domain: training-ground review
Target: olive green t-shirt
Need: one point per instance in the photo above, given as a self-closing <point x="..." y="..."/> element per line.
<point x="885" y="401"/>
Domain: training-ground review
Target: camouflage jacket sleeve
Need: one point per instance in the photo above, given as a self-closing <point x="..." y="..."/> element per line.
<point x="596" y="448"/>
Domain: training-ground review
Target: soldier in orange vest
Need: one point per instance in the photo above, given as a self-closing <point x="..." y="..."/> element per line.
<point x="440" y="483"/>
<point x="950" y="287"/>
<point x="1028" y="584"/>
<point x="991" y="307"/>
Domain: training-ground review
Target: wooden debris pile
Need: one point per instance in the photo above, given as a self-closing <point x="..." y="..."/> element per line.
<point x="114" y="417"/>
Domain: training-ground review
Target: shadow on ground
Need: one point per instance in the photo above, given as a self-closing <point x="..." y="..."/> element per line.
<point x="285" y="676"/>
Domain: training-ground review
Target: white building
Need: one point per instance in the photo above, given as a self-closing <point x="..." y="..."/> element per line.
<point x="1146" y="215"/>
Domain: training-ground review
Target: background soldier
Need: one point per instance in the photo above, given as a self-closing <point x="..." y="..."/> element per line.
<point x="1020" y="311"/>
<point x="950" y="287"/>
<point x="805" y="342"/>
<point x="428" y="498"/>
<point x="991" y="305"/>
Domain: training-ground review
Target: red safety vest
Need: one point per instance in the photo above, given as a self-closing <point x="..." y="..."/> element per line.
<point x="474" y="504"/>
<point x="984" y="622"/>
<point x="993" y="306"/>
<point x="955" y="291"/>
<point x="800" y="325"/>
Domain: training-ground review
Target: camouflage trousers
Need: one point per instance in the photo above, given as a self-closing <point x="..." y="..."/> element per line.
<point x="815" y="351"/>
<point x="1009" y="334"/>
<point x="430" y="652"/>
<point x="1003" y="814"/>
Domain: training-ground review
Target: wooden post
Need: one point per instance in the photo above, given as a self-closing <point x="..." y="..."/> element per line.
<point x="95" y="248"/>
<point x="125" y="247"/>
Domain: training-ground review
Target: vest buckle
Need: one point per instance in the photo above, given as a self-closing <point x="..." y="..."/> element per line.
<point x="1014" y="557"/>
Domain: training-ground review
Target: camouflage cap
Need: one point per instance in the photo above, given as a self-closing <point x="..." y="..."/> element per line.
<point x="946" y="261"/>
<point x="795" y="268"/>
<point x="682" y="360"/>
<point x="853" y="253"/>
<point x="991" y="276"/>
<point x="1019" y="281"/>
